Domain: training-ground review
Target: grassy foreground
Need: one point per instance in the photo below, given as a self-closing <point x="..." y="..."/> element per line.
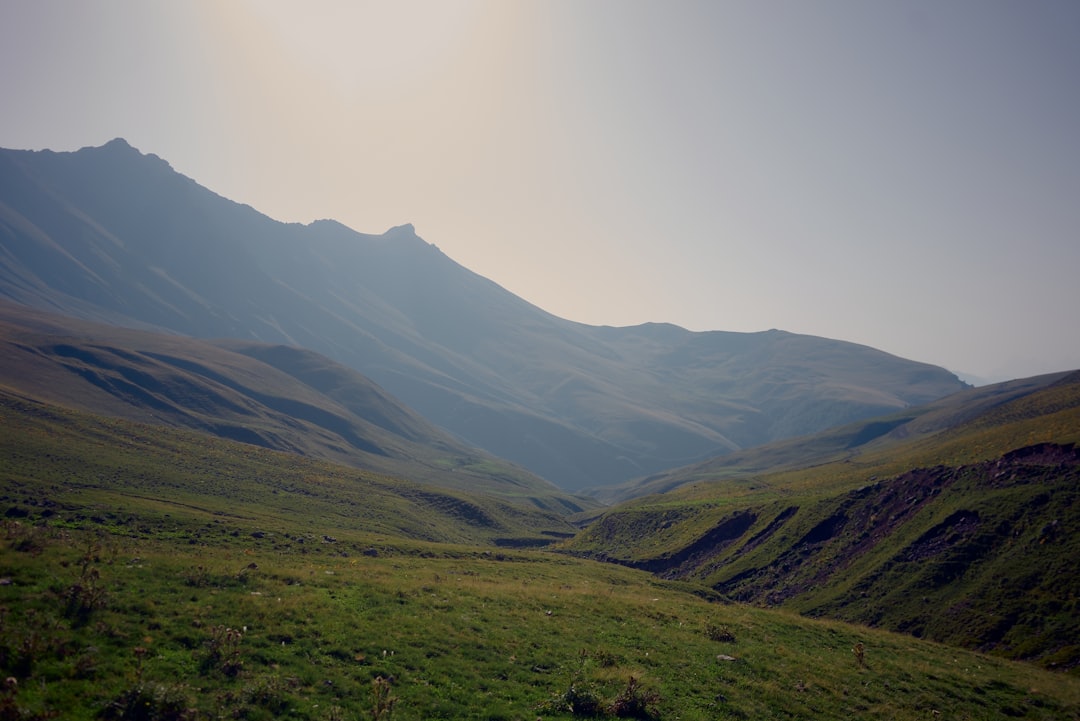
<point x="148" y="573"/>
<point x="99" y="625"/>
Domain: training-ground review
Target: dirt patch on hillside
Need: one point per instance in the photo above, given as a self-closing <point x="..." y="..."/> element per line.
<point x="954" y="530"/>
<point x="696" y="554"/>
<point x="763" y="535"/>
<point x="873" y="515"/>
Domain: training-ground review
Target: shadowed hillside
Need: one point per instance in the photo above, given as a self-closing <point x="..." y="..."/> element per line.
<point x="113" y="235"/>
<point x="963" y="528"/>
<point x="69" y="464"/>
<point x="278" y="397"/>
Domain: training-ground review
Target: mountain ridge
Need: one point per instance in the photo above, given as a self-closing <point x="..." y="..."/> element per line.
<point x="113" y="235"/>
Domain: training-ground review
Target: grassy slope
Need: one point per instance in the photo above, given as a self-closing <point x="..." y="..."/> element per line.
<point x="860" y="442"/>
<point x="148" y="573"/>
<point x="845" y="538"/>
<point x="272" y="396"/>
<point x="74" y="460"/>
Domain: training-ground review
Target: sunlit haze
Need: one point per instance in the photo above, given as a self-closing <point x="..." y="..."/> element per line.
<point x="904" y="175"/>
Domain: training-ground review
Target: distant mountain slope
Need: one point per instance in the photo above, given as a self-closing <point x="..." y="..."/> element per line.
<point x="963" y="526"/>
<point x="113" y="235"/>
<point x="849" y="443"/>
<point x="67" y="465"/>
<point x="277" y="397"/>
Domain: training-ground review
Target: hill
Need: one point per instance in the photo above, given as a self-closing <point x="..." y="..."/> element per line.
<point x="149" y="572"/>
<point x="845" y="443"/>
<point x="958" y="524"/>
<point x="277" y="397"/>
<point x="65" y="466"/>
<point x="112" y="235"/>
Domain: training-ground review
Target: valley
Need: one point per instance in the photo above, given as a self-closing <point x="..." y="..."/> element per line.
<point x="252" y="469"/>
<point x="580" y="406"/>
<point x="155" y="573"/>
<point x="961" y="534"/>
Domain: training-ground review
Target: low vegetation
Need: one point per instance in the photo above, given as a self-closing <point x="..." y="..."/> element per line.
<point x="237" y="628"/>
<point x="152" y="574"/>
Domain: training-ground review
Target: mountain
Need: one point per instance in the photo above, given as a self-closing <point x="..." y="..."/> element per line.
<point x="112" y="235"/>
<point x="277" y="397"/>
<point x="956" y="523"/>
<point x="847" y="443"/>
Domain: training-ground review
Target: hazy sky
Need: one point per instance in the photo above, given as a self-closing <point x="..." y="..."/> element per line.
<point x="900" y="174"/>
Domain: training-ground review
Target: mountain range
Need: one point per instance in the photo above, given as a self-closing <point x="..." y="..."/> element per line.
<point x="112" y="235"/>
<point x="206" y="410"/>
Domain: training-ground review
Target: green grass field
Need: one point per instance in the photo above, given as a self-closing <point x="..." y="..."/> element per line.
<point x="121" y="625"/>
<point x="153" y="574"/>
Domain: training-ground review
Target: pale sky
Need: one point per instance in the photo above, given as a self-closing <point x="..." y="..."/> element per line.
<point x="904" y="175"/>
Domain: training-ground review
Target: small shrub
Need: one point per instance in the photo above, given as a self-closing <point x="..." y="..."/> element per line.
<point x="86" y="664"/>
<point x="243" y="574"/>
<point x="860" y="654"/>
<point x="605" y="659"/>
<point x="30" y="649"/>
<point x="25" y="539"/>
<point x="267" y="694"/>
<point x="9" y="711"/>
<point x="581" y="699"/>
<point x="719" y="633"/>
<point x="382" y="700"/>
<point x="578" y="699"/>
<point x="140" y="655"/>
<point x="149" y="702"/>
<point x="84" y="596"/>
<point x="223" y="650"/>
<point x="197" y="577"/>
<point x="635" y="702"/>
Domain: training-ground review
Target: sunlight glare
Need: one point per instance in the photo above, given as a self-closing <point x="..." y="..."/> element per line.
<point x="369" y="47"/>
